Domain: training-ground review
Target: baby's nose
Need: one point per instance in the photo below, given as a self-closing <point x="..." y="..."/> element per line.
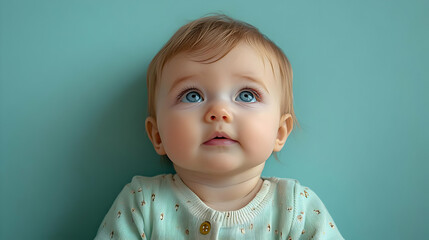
<point x="218" y="113"/>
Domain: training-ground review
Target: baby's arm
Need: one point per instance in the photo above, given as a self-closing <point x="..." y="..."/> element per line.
<point x="311" y="218"/>
<point x="124" y="219"/>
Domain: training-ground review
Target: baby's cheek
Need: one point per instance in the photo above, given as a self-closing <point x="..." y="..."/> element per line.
<point x="260" y="140"/>
<point x="179" y="137"/>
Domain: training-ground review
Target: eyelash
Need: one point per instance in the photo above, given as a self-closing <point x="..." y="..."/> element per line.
<point x="186" y="90"/>
<point x="258" y="94"/>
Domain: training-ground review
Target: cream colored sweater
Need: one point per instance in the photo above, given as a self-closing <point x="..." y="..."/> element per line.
<point x="163" y="207"/>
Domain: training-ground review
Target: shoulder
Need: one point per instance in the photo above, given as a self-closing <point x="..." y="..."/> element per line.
<point x="292" y="189"/>
<point x="309" y="214"/>
<point x="160" y="185"/>
<point x="286" y="188"/>
<point x="150" y="181"/>
<point x="298" y="196"/>
<point x="155" y="182"/>
<point x="142" y="187"/>
<point x="126" y="217"/>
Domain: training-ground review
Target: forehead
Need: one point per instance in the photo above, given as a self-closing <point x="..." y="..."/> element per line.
<point x="243" y="59"/>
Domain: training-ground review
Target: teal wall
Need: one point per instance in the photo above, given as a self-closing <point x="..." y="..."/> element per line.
<point x="73" y="104"/>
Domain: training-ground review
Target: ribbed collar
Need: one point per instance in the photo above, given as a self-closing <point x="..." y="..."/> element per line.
<point x="229" y="218"/>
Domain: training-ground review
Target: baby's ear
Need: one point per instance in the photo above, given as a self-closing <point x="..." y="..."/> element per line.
<point x="285" y="128"/>
<point x="153" y="134"/>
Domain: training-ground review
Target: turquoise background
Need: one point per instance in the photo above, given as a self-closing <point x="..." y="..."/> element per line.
<point x="73" y="104"/>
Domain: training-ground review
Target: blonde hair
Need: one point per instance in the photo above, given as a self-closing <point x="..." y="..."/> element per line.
<point x="217" y="35"/>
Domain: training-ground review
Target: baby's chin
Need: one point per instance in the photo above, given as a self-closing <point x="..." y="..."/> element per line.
<point x="213" y="168"/>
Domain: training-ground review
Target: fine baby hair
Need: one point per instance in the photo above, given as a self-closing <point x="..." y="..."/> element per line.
<point x="220" y="103"/>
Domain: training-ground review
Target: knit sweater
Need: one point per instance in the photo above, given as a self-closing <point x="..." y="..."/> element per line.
<point x="163" y="207"/>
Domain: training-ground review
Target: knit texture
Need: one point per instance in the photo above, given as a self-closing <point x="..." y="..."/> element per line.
<point x="163" y="207"/>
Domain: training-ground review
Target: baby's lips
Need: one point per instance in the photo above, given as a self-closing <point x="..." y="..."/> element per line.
<point x="220" y="135"/>
<point x="220" y="142"/>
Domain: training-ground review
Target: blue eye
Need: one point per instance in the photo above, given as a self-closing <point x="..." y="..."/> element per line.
<point x="246" y="96"/>
<point x="192" y="97"/>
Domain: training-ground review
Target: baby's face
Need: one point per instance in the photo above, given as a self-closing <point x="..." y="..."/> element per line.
<point x="237" y="98"/>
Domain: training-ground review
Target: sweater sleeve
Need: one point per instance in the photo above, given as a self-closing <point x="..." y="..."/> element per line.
<point x="311" y="219"/>
<point x="124" y="220"/>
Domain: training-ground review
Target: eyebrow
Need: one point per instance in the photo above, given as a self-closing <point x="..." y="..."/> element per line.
<point x="257" y="81"/>
<point x="179" y="80"/>
<point x="182" y="79"/>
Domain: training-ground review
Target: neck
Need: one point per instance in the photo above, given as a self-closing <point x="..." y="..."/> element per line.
<point x="223" y="192"/>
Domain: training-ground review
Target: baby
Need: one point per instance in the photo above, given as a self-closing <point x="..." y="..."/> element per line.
<point x="220" y="103"/>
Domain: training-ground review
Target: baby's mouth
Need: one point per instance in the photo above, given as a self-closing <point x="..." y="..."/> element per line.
<point x="219" y="141"/>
